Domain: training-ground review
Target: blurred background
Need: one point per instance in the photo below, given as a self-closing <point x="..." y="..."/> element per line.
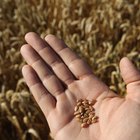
<point x="100" y="31"/>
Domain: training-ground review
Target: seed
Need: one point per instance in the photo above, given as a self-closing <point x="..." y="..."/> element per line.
<point x="79" y="103"/>
<point x="92" y="102"/>
<point x="91" y="113"/>
<point x="80" y="100"/>
<point x="81" y="109"/>
<point x="85" y="115"/>
<point x="84" y="125"/>
<point x="89" y="121"/>
<point x="82" y="113"/>
<point x="85" y="119"/>
<point x="86" y="105"/>
<point x="76" y="113"/>
<point x="85" y="101"/>
<point x="78" y="116"/>
<point x="76" y="108"/>
<point x="81" y="120"/>
<point x="82" y="106"/>
<point x="87" y="108"/>
<point x="88" y="111"/>
<point x="91" y="108"/>
<point x="91" y="116"/>
<point x="94" y="119"/>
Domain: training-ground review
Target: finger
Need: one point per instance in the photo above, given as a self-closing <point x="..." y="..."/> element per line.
<point x="76" y="65"/>
<point x="131" y="77"/>
<point x="41" y="95"/>
<point x="50" y="81"/>
<point x="129" y="72"/>
<point x="50" y="57"/>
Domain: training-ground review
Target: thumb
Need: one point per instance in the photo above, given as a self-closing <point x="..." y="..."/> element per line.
<point x="131" y="77"/>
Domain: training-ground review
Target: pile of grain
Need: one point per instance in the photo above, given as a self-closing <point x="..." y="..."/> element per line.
<point x="85" y="112"/>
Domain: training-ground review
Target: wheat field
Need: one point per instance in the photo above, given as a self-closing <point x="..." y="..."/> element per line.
<point x="100" y="31"/>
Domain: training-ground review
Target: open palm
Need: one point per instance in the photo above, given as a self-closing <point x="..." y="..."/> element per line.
<point x="57" y="77"/>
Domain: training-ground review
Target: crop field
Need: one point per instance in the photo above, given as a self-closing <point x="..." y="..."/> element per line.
<point x="100" y="31"/>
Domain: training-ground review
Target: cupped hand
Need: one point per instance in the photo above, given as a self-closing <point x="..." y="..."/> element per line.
<point x="57" y="77"/>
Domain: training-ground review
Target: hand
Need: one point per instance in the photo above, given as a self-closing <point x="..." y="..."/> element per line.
<point x="57" y="77"/>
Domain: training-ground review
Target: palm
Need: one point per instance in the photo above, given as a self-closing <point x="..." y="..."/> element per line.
<point x="58" y="98"/>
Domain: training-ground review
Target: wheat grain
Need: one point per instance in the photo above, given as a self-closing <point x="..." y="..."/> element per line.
<point x="84" y="112"/>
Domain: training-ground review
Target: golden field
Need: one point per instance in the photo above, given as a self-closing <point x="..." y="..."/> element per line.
<point x="100" y="31"/>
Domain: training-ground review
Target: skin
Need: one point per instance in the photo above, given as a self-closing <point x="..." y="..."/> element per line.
<point x="57" y="77"/>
